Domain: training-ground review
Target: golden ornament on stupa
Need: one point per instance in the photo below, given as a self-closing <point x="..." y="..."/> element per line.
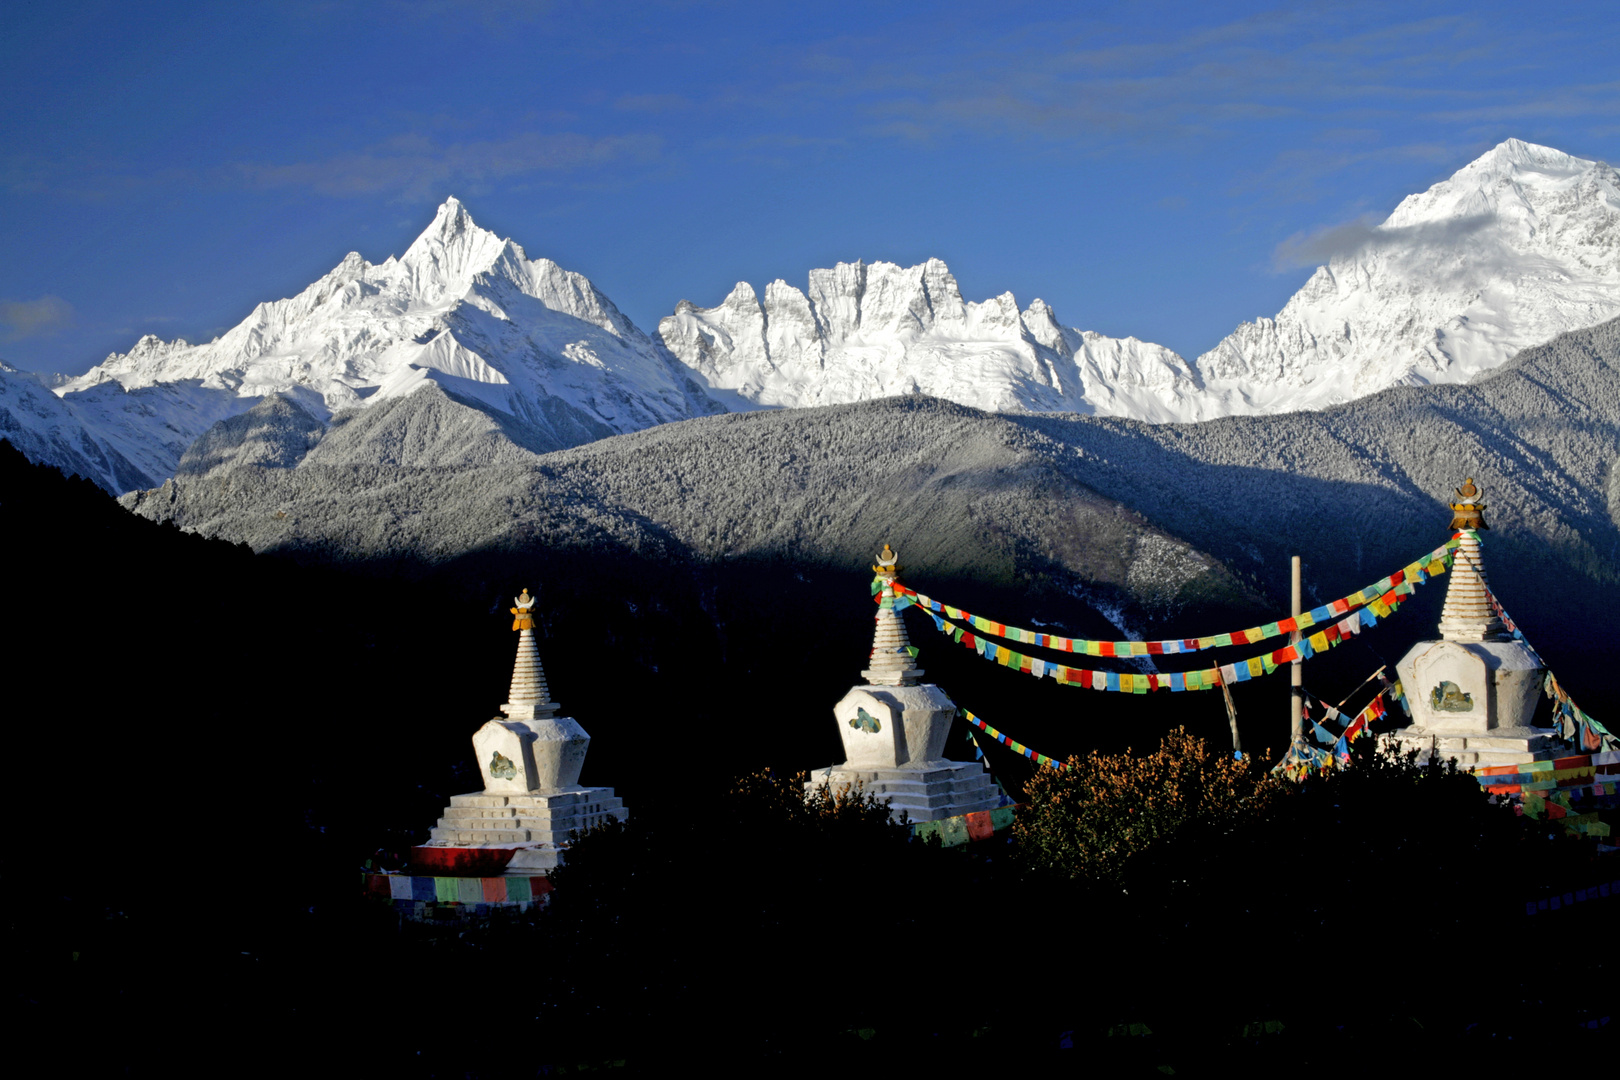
<point x="524" y="611"/>
<point x="887" y="563"/>
<point x="1468" y="512"/>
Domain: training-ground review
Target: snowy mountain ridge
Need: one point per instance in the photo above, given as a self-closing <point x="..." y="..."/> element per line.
<point x="462" y="308"/>
<point x="874" y="330"/>
<point x="1517" y="247"/>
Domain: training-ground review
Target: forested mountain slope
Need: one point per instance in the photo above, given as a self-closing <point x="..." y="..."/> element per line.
<point x="1359" y="487"/>
<point x="958" y="491"/>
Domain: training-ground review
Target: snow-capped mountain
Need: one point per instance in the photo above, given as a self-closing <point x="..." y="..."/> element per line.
<point x="1517" y="247"/>
<point x="874" y="330"/>
<point x="462" y="308"/>
<point x="48" y="429"/>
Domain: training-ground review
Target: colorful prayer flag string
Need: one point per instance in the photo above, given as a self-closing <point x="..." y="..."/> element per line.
<point x="1436" y="562"/>
<point x="1039" y="759"/>
<point x="1207" y="679"/>
<point x="1302" y="758"/>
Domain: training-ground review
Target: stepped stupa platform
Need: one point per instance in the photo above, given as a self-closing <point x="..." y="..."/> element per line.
<point x="894" y="729"/>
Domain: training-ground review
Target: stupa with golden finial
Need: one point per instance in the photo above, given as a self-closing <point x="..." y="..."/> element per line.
<point x="1474" y="691"/>
<point x="894" y="727"/>
<point x="530" y="759"/>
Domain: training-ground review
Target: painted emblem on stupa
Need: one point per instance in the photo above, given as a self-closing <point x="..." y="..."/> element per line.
<point x="502" y="767"/>
<point x="865" y="721"/>
<point x="1449" y="697"/>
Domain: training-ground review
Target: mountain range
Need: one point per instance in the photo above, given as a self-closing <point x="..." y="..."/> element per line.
<point x="1139" y="522"/>
<point x="1516" y="247"/>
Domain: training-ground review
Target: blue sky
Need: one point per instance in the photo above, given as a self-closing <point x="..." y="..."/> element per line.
<point x="1164" y="170"/>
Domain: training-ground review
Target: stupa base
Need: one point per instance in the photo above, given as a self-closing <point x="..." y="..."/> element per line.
<point x="1494" y="746"/>
<point x="493" y="819"/>
<point x="928" y="791"/>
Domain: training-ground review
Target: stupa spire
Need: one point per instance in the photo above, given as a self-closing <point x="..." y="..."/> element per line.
<point x="892" y="662"/>
<point x="1468" y="614"/>
<point x="528" y="698"/>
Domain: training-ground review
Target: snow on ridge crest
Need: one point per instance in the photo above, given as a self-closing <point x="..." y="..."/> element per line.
<point x="462" y="307"/>
<point x="1516" y="247"/>
<point x="863" y="330"/>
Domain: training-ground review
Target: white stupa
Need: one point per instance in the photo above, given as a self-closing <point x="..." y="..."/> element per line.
<point x="894" y="729"/>
<point x="1474" y="692"/>
<point x="530" y="759"/>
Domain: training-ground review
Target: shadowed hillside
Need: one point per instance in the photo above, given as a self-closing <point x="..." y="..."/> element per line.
<point x="1359" y="488"/>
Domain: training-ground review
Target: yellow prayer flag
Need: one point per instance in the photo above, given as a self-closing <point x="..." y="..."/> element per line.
<point x="1256" y="668"/>
<point x="1319" y="642"/>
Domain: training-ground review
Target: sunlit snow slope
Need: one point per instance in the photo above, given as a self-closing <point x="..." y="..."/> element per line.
<point x="462" y="308"/>
<point x="1517" y="247"/>
<point x="868" y="331"/>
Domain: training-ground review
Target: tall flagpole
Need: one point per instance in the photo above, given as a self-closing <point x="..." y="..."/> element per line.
<point x="1296" y="671"/>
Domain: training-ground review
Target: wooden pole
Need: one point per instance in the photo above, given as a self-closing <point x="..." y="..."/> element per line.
<point x="1231" y="717"/>
<point x="1296" y="701"/>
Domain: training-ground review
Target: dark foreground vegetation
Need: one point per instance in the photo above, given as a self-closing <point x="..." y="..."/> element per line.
<point x="204" y="744"/>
